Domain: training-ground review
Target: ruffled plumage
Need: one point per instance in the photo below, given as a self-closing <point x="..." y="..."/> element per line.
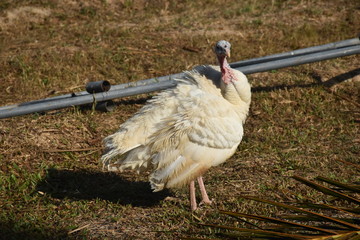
<point x="183" y="131"/>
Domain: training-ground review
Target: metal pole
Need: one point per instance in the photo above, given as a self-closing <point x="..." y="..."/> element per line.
<point x="298" y="60"/>
<point x="99" y="85"/>
<point x="303" y="51"/>
<point x="236" y="65"/>
<point x="84" y="99"/>
<point x="160" y="83"/>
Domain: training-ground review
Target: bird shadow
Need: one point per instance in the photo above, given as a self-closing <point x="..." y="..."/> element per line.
<point x="87" y="185"/>
<point x="141" y="100"/>
<point x="17" y="230"/>
<point x="318" y="82"/>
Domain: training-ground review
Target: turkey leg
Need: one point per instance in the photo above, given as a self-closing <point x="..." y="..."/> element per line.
<point x="205" y="197"/>
<point x="192" y="196"/>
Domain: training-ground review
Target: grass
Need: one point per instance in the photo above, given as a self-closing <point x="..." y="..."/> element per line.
<point x="302" y="120"/>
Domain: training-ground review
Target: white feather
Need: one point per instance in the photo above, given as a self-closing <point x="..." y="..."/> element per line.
<point x="183" y="131"/>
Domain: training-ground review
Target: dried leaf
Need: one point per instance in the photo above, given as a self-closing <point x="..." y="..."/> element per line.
<point x="326" y="190"/>
<point x="354" y="188"/>
<point x="278" y="221"/>
<point x="259" y="232"/>
<point x="316" y="215"/>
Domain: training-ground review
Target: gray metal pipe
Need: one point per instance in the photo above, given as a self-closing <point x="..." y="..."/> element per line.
<point x="262" y="66"/>
<point x="298" y="60"/>
<point x="273" y="57"/>
<point x="91" y="87"/>
<point x="298" y="52"/>
<point x="160" y="83"/>
<point x="237" y="65"/>
<point x="23" y="109"/>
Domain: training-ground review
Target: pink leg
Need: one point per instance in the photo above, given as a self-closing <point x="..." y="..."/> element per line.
<point x="192" y="196"/>
<point x="204" y="195"/>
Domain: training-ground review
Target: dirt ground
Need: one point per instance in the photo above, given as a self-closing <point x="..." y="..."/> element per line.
<point x="304" y="120"/>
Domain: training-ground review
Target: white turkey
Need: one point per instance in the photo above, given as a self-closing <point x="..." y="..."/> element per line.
<point x="183" y="131"/>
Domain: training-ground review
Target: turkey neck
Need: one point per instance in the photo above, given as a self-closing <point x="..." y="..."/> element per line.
<point x="226" y="71"/>
<point x="234" y="85"/>
<point x="235" y="88"/>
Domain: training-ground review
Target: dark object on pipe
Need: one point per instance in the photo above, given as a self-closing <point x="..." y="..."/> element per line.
<point x="101" y="86"/>
<point x="105" y="106"/>
<point x="98" y="86"/>
<point x="272" y="62"/>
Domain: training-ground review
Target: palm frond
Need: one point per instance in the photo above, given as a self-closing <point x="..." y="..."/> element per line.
<point x="299" y="220"/>
<point x="326" y="190"/>
<point x="353" y="188"/>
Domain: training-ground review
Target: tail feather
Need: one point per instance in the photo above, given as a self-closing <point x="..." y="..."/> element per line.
<point x="135" y="158"/>
<point x="176" y="173"/>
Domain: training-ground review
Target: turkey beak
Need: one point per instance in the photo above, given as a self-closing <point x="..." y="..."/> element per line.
<point x="227" y="53"/>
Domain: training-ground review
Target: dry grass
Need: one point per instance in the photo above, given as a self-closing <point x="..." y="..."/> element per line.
<point x="302" y="121"/>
